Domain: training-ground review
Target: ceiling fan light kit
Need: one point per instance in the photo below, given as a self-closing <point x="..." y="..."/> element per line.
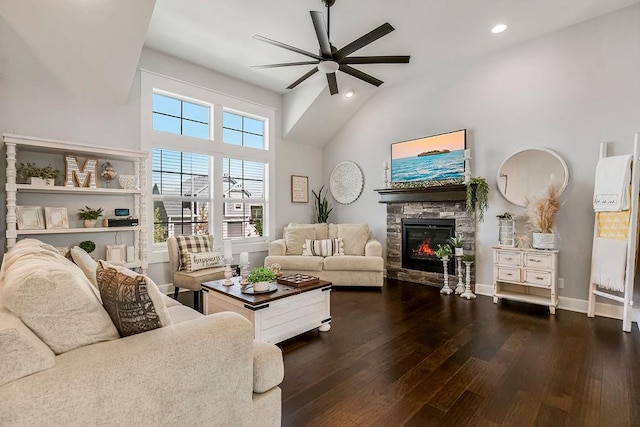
<point x="329" y="59"/>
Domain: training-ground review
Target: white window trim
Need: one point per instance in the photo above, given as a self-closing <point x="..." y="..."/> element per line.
<point x="151" y="82"/>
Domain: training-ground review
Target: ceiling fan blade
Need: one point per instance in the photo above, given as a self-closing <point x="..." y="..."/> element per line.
<point x="303" y="78"/>
<point x="286" y="46"/>
<point x="360" y="75"/>
<point x="370" y="37"/>
<point x="333" y="83"/>
<point x="321" y="33"/>
<point x="286" y="64"/>
<point x="394" y="59"/>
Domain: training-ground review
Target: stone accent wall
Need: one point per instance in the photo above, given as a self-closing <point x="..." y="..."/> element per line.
<point x="445" y="210"/>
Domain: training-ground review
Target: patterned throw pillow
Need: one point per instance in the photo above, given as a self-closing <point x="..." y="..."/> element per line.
<point x="323" y="248"/>
<point x="133" y="301"/>
<point x="191" y="244"/>
<point x="200" y="260"/>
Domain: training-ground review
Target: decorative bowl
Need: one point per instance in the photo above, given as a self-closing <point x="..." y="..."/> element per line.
<point x="128" y="182"/>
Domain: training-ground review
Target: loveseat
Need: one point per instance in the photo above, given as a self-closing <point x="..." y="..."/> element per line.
<point x="360" y="262"/>
<point x="199" y="370"/>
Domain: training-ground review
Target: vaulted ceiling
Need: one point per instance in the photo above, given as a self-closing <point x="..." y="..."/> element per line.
<point x="94" y="45"/>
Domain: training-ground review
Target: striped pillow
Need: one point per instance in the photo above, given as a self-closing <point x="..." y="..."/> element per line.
<point x="191" y="244"/>
<point x="323" y="248"/>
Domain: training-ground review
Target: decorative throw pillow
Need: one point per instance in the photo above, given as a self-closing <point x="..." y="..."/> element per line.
<point x="87" y="264"/>
<point x="191" y="244"/>
<point x="295" y="237"/>
<point x="323" y="248"/>
<point x="200" y="260"/>
<point x="354" y="236"/>
<point x="132" y="300"/>
<point x="322" y="229"/>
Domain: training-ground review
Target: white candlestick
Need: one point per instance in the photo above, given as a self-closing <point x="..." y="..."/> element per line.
<point x="244" y="257"/>
<point x="467" y="153"/>
<point x="228" y="251"/>
<point x="385" y="165"/>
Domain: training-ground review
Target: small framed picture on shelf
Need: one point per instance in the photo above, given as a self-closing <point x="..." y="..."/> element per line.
<point x="116" y="253"/>
<point x="30" y="218"/>
<point x="56" y="218"/>
<point x="299" y="189"/>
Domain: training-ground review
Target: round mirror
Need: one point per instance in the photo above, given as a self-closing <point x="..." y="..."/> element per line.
<point x="528" y="171"/>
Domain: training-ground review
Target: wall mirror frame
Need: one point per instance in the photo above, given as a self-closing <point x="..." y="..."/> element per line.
<point x="528" y="171"/>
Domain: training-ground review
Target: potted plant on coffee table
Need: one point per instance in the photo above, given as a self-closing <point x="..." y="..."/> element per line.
<point x="90" y="216"/>
<point x="261" y="278"/>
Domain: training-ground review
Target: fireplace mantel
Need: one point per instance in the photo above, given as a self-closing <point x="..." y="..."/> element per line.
<point x="441" y="193"/>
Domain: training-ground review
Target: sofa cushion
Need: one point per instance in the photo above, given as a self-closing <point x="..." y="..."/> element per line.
<point x="132" y="300"/>
<point x="295" y="262"/>
<point x="87" y="264"/>
<point x="353" y="263"/>
<point x="21" y="352"/>
<point x="169" y="302"/>
<point x="54" y="299"/>
<point x="354" y="236"/>
<point x="322" y="229"/>
<point x="194" y="280"/>
<point x="268" y="368"/>
<point x="294" y="238"/>
<point x="201" y="260"/>
<point x="180" y="313"/>
<point x="323" y="248"/>
<point x="190" y="244"/>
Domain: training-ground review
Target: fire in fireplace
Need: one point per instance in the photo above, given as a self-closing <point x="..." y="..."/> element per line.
<point x="420" y="239"/>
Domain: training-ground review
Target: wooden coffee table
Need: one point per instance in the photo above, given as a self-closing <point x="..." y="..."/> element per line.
<point x="276" y="316"/>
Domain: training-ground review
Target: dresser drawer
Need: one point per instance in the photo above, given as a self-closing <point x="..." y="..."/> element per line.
<point x="537" y="278"/>
<point x="538" y="260"/>
<point x="509" y="258"/>
<point x="509" y="274"/>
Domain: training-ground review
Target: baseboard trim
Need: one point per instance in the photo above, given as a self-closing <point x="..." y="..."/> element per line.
<point x="611" y="311"/>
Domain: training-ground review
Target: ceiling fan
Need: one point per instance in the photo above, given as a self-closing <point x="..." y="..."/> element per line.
<point x="329" y="60"/>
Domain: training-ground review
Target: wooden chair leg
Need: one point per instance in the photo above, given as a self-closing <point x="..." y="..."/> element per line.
<point x="196" y="300"/>
<point x="175" y="292"/>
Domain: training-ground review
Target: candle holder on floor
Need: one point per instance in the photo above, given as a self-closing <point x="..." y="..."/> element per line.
<point x="467" y="292"/>
<point x="446" y="289"/>
<point x="460" y="287"/>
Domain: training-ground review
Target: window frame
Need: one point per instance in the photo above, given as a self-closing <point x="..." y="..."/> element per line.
<point x="215" y="147"/>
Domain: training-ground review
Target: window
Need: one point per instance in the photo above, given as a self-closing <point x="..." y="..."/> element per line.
<point x="241" y="130"/>
<point x="180" y="117"/>
<point x="243" y="191"/>
<point x="181" y="194"/>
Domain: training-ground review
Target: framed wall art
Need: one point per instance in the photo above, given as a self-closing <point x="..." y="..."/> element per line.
<point x="29" y="218"/>
<point x="116" y="253"/>
<point x="56" y="218"/>
<point x="299" y="189"/>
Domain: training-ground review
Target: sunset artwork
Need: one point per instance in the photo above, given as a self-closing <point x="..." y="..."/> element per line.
<point x="437" y="158"/>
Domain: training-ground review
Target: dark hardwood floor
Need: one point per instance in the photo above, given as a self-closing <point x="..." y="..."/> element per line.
<point x="408" y="356"/>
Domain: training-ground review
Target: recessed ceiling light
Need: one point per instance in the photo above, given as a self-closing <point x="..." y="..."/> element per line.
<point x="349" y="93"/>
<point x="498" y="28"/>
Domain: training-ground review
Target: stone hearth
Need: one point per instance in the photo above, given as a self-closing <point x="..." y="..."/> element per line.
<point x="445" y="209"/>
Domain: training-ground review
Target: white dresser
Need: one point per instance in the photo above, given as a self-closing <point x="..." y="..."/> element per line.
<point x="526" y="275"/>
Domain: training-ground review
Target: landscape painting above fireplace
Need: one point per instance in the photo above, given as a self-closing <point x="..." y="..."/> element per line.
<point x="432" y="158"/>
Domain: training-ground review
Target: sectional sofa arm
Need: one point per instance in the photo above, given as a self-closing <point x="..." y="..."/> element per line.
<point x="202" y="360"/>
<point x="277" y="248"/>
<point x="373" y="248"/>
<point x="268" y="367"/>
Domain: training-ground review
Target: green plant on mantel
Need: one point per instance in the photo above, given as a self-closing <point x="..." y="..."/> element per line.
<point x="477" y="197"/>
<point x="322" y="205"/>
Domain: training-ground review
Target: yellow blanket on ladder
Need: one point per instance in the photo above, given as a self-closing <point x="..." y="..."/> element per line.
<point x="613" y="225"/>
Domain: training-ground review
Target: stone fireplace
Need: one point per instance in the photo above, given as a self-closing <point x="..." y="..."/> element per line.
<point x="434" y="214"/>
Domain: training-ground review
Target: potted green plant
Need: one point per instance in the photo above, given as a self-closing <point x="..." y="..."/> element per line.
<point x="49" y="174"/>
<point x="443" y="252"/>
<point x="32" y="174"/>
<point x="88" y="246"/>
<point x="477" y="197"/>
<point x="321" y="205"/>
<point x="90" y="216"/>
<point x="457" y="242"/>
<point x="260" y="278"/>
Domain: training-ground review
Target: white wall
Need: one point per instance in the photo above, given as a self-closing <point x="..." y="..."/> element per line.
<point x="33" y="102"/>
<point x="567" y="91"/>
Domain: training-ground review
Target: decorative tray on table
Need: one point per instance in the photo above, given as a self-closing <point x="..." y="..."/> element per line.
<point x="297" y="280"/>
<point x="249" y="290"/>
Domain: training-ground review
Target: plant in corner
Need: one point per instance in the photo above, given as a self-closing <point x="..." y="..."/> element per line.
<point x="477" y="197"/>
<point x="322" y="205"/>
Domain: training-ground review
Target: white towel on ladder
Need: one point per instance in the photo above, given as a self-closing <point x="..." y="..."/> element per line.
<point x="611" y="190"/>
<point x="608" y="265"/>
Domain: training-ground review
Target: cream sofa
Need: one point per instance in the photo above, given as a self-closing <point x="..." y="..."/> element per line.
<point x="200" y="370"/>
<point x="361" y="265"/>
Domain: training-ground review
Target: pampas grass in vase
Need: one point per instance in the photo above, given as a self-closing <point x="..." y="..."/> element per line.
<point x="542" y="209"/>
